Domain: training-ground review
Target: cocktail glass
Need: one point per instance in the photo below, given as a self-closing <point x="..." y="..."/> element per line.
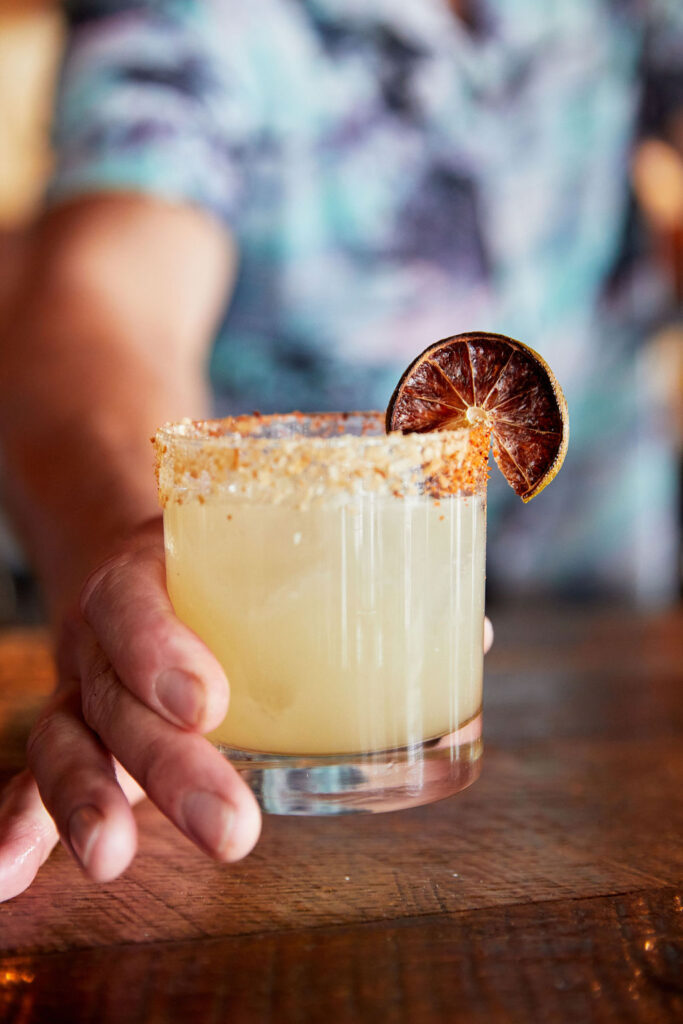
<point x="337" y="573"/>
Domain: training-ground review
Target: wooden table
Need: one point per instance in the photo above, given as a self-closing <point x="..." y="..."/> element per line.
<point x="549" y="891"/>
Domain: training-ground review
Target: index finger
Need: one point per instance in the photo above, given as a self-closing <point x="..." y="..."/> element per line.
<point x="159" y="659"/>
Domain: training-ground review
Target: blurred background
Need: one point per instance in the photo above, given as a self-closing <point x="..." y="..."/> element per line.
<point x="31" y="41"/>
<point x="32" y="37"/>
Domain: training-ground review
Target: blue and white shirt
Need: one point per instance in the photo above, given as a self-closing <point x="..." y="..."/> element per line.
<point x="392" y="176"/>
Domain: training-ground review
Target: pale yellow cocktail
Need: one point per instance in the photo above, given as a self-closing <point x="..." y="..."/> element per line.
<point x="338" y="575"/>
<point x="342" y="627"/>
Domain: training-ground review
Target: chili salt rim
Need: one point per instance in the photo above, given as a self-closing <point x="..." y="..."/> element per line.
<point x="243" y="458"/>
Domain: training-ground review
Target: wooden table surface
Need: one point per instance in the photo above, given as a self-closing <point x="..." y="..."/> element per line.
<point x="549" y="891"/>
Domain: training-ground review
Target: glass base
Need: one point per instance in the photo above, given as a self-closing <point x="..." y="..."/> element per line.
<point x="386" y="780"/>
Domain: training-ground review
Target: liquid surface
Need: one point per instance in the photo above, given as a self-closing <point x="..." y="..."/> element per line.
<point x="343" y="628"/>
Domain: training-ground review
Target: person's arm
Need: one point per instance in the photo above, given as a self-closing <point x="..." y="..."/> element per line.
<point x="107" y="339"/>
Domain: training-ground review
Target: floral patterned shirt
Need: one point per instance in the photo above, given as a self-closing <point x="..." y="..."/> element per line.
<point x="393" y="175"/>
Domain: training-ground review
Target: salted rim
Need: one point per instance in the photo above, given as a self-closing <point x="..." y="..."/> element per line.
<point x="232" y="430"/>
<point x="267" y="458"/>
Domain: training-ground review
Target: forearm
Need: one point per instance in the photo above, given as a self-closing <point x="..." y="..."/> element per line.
<point x="77" y="458"/>
<point x="88" y="370"/>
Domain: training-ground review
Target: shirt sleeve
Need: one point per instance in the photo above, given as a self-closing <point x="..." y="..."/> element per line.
<point x="154" y="99"/>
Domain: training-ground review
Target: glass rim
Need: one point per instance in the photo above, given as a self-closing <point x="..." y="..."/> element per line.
<point x="317" y="429"/>
<point x="290" y="454"/>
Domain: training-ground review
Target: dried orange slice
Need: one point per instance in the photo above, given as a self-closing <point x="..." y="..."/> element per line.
<point x="491" y="379"/>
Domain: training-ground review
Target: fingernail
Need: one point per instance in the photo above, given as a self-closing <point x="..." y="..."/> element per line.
<point x="84" y="828"/>
<point x="208" y="818"/>
<point x="182" y="695"/>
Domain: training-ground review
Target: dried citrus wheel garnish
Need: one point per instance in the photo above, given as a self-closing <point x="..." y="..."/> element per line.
<point x="490" y="379"/>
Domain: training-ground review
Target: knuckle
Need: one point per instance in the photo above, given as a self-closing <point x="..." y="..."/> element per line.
<point x="41" y="736"/>
<point x="98" y="585"/>
<point x="53" y="728"/>
<point x="100" y="698"/>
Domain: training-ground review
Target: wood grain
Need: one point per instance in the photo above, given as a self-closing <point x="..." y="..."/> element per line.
<point x="550" y="890"/>
<point x="546" y="824"/>
<point x="610" y="959"/>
